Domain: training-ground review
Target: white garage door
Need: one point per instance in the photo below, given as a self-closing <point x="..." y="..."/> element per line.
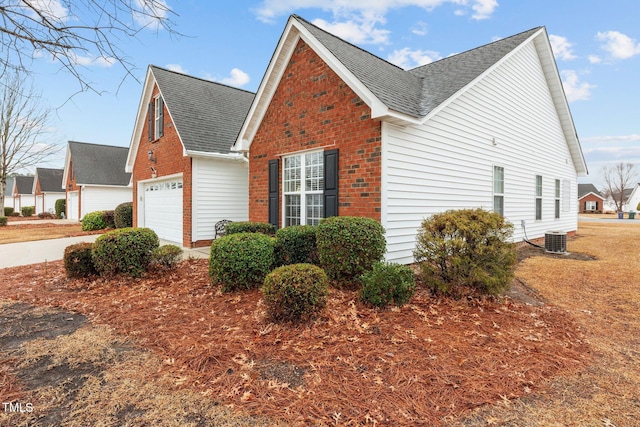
<point x="39" y="204"/>
<point x="163" y="209"/>
<point x="72" y="205"/>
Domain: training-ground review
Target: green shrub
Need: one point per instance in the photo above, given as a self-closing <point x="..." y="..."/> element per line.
<point x="349" y="246"/>
<point x="296" y="245"/>
<point x="466" y="248"/>
<point x="386" y="284"/>
<point x="107" y="217"/>
<point x="94" y="221"/>
<point x="8" y="211"/>
<point x="78" y="261"/>
<point x="60" y="207"/>
<point x="295" y="292"/>
<point x="249" y="227"/>
<point x="28" y="210"/>
<point x="46" y="215"/>
<point x="166" y="256"/>
<point x="124" y="250"/>
<point x="123" y="215"/>
<point x="3" y="221"/>
<point x="241" y="261"/>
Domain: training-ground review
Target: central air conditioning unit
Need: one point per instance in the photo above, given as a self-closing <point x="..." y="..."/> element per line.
<point x="555" y="242"/>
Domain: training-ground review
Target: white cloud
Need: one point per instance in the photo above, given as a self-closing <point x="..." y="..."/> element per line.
<point x="573" y="88"/>
<point x="595" y="59"/>
<point x="407" y="58"/>
<point x="51" y="9"/>
<point x="420" y="29"/>
<point x="562" y="48"/>
<point x="483" y="9"/>
<point x="151" y="14"/>
<point x="619" y="46"/>
<point x="177" y="68"/>
<point x="238" y="78"/>
<point x="612" y="138"/>
<point x="90" y="60"/>
<point x="356" y="32"/>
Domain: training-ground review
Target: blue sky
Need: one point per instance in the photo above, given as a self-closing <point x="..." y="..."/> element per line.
<point x="596" y="44"/>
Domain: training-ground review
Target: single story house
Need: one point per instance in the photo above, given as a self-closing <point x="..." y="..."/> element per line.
<point x="185" y="177"/>
<point x="610" y="205"/>
<point x="633" y="202"/>
<point x="8" y="193"/>
<point x="336" y="130"/>
<point x="47" y="188"/>
<point x="94" y="178"/>
<point x="590" y="200"/>
<point x="22" y="192"/>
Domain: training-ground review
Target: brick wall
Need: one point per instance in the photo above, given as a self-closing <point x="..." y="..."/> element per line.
<point x="591" y="198"/>
<point x="313" y="108"/>
<point x="168" y="152"/>
<point x="71" y="181"/>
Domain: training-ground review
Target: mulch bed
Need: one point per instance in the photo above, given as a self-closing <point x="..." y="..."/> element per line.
<point x="432" y="359"/>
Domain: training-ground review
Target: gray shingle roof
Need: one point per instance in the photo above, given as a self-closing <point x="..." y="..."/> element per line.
<point x="9" y="190"/>
<point x="418" y="91"/>
<point x="50" y="179"/>
<point x="96" y="164"/>
<point x="207" y="115"/>
<point x="24" y="184"/>
<point x="584" y="189"/>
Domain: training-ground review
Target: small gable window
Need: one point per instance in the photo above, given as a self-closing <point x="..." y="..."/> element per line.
<point x="155" y="119"/>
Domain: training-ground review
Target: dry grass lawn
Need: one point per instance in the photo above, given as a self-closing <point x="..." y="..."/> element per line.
<point x="40" y="231"/>
<point x="211" y="358"/>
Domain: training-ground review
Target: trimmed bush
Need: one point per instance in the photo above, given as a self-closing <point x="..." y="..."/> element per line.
<point x="60" y="207"/>
<point x="386" y="284"/>
<point x="296" y="245"/>
<point x="123" y="215"/>
<point x="349" y="246"/>
<point x="295" y="292"/>
<point x="46" y="215"/>
<point x="78" y="261"/>
<point x="3" y="221"/>
<point x="241" y="261"/>
<point x="107" y="217"/>
<point x="8" y="211"/>
<point x="28" y="210"/>
<point x="466" y="248"/>
<point x="166" y="256"/>
<point x="250" y="227"/>
<point x="124" y="250"/>
<point x="94" y="221"/>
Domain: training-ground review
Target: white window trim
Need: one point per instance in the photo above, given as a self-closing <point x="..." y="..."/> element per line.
<point x="538" y="197"/>
<point x="156" y="116"/>
<point x="557" y="206"/>
<point x="493" y="184"/>
<point x="303" y="191"/>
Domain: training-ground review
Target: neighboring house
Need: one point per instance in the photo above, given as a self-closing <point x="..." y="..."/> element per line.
<point x="8" y="193"/>
<point x="22" y="192"/>
<point x="610" y="205"/>
<point x="590" y="200"/>
<point x="47" y="188"/>
<point x="335" y="130"/>
<point x="633" y="202"/>
<point x="185" y="178"/>
<point x="94" y="178"/>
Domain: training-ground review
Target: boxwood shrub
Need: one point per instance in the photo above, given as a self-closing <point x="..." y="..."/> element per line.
<point x="249" y="227"/>
<point x="124" y="250"/>
<point x="107" y="217"/>
<point x="8" y="211"/>
<point x="387" y="284"/>
<point x="28" y="210"/>
<point x="466" y="248"/>
<point x="78" y="261"/>
<point x="60" y="207"/>
<point x="349" y="246"/>
<point x="166" y="257"/>
<point x="94" y="221"/>
<point x="296" y="245"/>
<point x="3" y="221"/>
<point x="295" y="292"/>
<point x="241" y="261"/>
<point x="123" y="215"/>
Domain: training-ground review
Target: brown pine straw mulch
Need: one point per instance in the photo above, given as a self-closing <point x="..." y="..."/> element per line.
<point x="354" y="365"/>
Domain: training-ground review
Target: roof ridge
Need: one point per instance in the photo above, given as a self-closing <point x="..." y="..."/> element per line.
<point x="475" y="48"/>
<point x="94" y="143"/>
<point x="200" y="78"/>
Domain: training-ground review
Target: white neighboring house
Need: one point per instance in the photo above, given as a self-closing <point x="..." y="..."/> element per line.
<point x="610" y="204"/>
<point x="633" y="202"/>
<point x="8" y="193"/>
<point x="47" y="188"/>
<point x="22" y="192"/>
<point x="94" y="178"/>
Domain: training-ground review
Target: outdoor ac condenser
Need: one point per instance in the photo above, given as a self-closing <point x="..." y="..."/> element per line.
<point x="555" y="242"/>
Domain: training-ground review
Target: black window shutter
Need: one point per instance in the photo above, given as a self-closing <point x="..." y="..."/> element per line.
<point x="161" y="114"/>
<point x="150" y="121"/>
<point x="596" y="205"/>
<point x="274" y="177"/>
<point x="331" y="183"/>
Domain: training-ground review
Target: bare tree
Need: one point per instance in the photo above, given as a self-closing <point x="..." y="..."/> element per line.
<point x="617" y="178"/>
<point x="75" y="33"/>
<point x="24" y="124"/>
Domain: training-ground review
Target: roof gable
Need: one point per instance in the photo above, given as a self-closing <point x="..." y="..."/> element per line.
<point x="207" y="115"/>
<point x="50" y="180"/>
<point x="96" y="164"/>
<point x="8" y="192"/>
<point x="586" y="189"/>
<point x="24" y="184"/>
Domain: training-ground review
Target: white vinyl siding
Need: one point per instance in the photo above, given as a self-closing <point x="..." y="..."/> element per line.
<point x="103" y="198"/>
<point x="506" y="118"/>
<point x="220" y="191"/>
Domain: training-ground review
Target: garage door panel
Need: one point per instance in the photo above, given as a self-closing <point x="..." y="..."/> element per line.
<point x="163" y="209"/>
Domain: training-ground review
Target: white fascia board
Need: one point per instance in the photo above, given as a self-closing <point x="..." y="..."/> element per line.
<point x="103" y="185"/>
<point x="67" y="166"/>
<point x="204" y="154"/>
<point x="147" y="89"/>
